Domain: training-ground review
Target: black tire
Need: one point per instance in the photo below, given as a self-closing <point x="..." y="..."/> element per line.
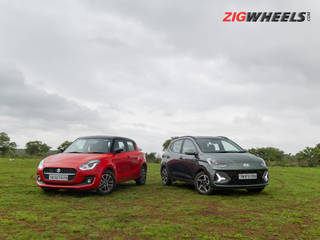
<point x="143" y="176"/>
<point x="107" y="183"/>
<point x="202" y="183"/>
<point x="165" y="177"/>
<point x="254" y="190"/>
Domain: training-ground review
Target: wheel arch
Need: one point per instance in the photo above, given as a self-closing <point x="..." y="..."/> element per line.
<point x="144" y="164"/>
<point x="201" y="169"/>
<point x="111" y="168"/>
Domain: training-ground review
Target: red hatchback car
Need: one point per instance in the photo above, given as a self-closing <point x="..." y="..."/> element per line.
<point x="93" y="163"/>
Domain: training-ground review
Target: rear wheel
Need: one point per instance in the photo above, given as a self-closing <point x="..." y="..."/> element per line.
<point x="165" y="177"/>
<point x="107" y="183"/>
<point x="202" y="183"/>
<point x="254" y="190"/>
<point x="143" y="176"/>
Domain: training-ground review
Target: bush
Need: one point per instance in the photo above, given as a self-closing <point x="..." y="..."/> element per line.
<point x="152" y="157"/>
<point x="37" y="148"/>
<point x="309" y="157"/>
<point x="270" y="154"/>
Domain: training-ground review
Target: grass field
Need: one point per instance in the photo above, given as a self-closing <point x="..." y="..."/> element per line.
<point x="289" y="208"/>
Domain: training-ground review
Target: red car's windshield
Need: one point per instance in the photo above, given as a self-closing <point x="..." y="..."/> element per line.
<point x="90" y="145"/>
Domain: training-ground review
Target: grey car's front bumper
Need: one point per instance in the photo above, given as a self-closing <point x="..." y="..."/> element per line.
<point x="232" y="180"/>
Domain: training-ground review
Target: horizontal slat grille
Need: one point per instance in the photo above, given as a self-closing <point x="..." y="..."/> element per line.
<point x="70" y="171"/>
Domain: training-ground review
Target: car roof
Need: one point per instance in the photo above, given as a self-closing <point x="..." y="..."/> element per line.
<point x="195" y="137"/>
<point x="103" y="137"/>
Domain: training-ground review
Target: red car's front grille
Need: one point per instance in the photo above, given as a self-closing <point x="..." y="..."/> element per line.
<point x="71" y="172"/>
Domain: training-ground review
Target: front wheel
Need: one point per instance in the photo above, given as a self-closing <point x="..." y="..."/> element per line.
<point x="143" y="176"/>
<point x="165" y="177"/>
<point x="107" y="183"/>
<point x="202" y="183"/>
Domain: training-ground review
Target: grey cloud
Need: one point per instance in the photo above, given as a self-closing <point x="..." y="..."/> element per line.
<point x="151" y="70"/>
<point x="25" y="101"/>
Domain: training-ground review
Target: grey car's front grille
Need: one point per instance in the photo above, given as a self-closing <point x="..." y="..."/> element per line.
<point x="234" y="177"/>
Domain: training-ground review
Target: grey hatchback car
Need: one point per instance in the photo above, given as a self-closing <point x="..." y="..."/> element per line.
<point x="213" y="163"/>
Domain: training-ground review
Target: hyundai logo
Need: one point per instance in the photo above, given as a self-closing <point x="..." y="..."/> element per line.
<point x="246" y="165"/>
<point x="58" y="170"/>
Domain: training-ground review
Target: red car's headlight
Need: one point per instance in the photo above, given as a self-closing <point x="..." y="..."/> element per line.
<point x="89" y="165"/>
<point x="40" y="166"/>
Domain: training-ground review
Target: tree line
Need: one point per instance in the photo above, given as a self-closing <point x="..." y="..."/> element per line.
<point x="308" y="157"/>
<point x="32" y="148"/>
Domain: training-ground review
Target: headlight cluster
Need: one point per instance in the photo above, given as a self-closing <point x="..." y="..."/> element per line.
<point x="216" y="163"/>
<point x="263" y="163"/>
<point x="40" y="166"/>
<point x="89" y="165"/>
<point x="266" y="176"/>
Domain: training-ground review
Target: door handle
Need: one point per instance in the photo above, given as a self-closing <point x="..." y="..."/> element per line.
<point x="180" y="157"/>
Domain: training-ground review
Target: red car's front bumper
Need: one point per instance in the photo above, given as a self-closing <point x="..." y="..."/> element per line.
<point x="83" y="180"/>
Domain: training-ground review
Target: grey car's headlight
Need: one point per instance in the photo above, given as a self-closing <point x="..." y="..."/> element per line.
<point x="263" y="163"/>
<point x="40" y="166"/>
<point x="89" y="165"/>
<point x="215" y="163"/>
<point x="266" y="176"/>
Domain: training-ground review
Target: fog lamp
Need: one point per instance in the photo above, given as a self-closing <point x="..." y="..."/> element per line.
<point x="221" y="177"/>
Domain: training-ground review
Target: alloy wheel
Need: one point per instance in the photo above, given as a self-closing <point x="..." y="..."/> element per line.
<point x="107" y="183"/>
<point x="203" y="183"/>
<point x="164" y="176"/>
<point x="143" y="175"/>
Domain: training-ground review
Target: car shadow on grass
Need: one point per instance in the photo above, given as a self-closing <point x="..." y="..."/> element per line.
<point x="219" y="192"/>
<point x="89" y="193"/>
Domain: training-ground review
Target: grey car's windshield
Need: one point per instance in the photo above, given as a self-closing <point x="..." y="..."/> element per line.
<point x="217" y="145"/>
<point x="90" y="145"/>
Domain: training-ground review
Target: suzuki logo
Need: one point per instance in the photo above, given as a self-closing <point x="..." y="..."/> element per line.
<point x="58" y="170"/>
<point x="246" y="165"/>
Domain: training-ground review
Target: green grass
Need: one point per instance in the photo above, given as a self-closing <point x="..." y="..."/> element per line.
<point x="289" y="208"/>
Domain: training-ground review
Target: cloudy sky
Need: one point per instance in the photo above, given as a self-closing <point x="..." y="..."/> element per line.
<point x="154" y="69"/>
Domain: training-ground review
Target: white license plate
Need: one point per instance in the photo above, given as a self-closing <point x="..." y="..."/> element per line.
<point x="58" y="177"/>
<point x="245" y="176"/>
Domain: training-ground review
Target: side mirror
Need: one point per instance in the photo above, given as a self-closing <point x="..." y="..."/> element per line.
<point x="118" y="150"/>
<point x="191" y="153"/>
<point x="63" y="149"/>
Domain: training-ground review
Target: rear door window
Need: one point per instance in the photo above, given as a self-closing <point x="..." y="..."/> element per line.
<point x="176" y="146"/>
<point x="120" y="144"/>
<point x="131" y="146"/>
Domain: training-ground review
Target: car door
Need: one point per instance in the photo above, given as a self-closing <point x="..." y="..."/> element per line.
<point x="133" y="159"/>
<point x="188" y="164"/>
<point x="121" y="160"/>
<point x="173" y="156"/>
